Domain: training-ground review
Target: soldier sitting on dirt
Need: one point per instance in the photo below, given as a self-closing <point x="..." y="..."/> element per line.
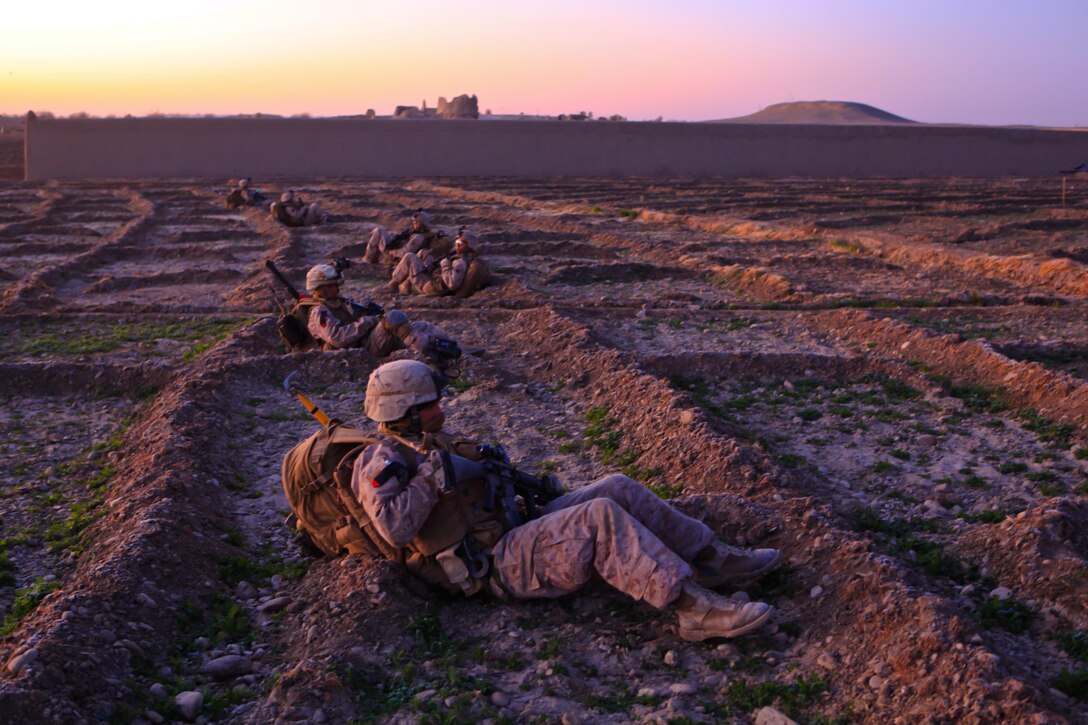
<point x="385" y="247"/>
<point x="460" y="273"/>
<point x="294" y="212"/>
<point x="244" y="195"/>
<point x="336" y="323"/>
<point x="415" y="494"/>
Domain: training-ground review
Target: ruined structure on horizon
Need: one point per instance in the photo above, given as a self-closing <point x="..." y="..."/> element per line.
<point x="462" y="106"/>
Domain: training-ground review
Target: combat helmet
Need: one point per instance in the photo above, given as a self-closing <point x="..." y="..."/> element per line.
<point x="322" y="274"/>
<point x="287" y="196"/>
<point x="397" y="386"/>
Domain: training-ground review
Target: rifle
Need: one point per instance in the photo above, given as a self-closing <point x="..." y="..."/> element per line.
<point x="399" y="239"/>
<point x="503" y="482"/>
<point x="291" y="290"/>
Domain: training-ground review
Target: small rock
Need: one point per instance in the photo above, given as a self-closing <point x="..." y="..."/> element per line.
<point x="319" y="716"/>
<point x="146" y="600"/>
<point x="1002" y="593"/>
<point x="202" y="643"/>
<point x="500" y="699"/>
<point x="154" y="718"/>
<point x="158" y="691"/>
<point x="682" y="688"/>
<point x="20" y="662"/>
<point x="647" y="692"/>
<point x="228" y="666"/>
<point x="276" y="581"/>
<point x="770" y="716"/>
<point x="107" y="636"/>
<point x="816" y="591"/>
<point x="425" y="694"/>
<point x="876" y="682"/>
<point x="245" y="591"/>
<point x="189" y="704"/>
<point x="274" y="605"/>
<point x="828" y="661"/>
<point x="687" y="417"/>
<point x="671" y="658"/>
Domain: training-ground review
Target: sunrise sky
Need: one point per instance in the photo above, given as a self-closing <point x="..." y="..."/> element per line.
<point x="955" y="61"/>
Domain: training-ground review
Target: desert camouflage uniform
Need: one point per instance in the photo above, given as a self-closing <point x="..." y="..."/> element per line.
<point x="298" y="213"/>
<point x="419" y="274"/>
<point x="377" y="247"/>
<point x="614" y="528"/>
<point x="338" y="326"/>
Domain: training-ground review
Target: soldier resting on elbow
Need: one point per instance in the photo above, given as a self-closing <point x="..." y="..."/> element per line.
<point x="615" y="529"/>
<point x="460" y="273"/>
<point x="294" y="212"/>
<point x="386" y="247"/>
<point x="335" y="323"/>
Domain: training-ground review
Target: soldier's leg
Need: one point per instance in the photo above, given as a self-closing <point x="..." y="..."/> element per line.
<point x="403" y="270"/>
<point x="313" y="214"/>
<point x="681" y="533"/>
<point x="376" y="244"/>
<point x="715" y="562"/>
<point x="559" y="553"/>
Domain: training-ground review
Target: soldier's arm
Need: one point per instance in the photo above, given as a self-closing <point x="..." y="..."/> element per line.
<point x="324" y="326"/>
<point x="453" y="274"/>
<point x="397" y="505"/>
<point x="415" y="243"/>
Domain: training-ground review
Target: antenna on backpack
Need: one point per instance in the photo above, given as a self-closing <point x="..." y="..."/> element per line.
<point x="310" y="406"/>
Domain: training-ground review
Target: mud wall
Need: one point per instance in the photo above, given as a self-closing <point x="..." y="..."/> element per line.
<point x="220" y="147"/>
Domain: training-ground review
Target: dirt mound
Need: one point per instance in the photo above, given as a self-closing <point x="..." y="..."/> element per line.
<point x="819" y="112"/>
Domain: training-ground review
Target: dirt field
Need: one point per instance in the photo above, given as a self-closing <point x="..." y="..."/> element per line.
<point x="886" y="379"/>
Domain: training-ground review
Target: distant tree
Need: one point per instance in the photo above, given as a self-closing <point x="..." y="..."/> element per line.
<point x="46" y="114"/>
<point x="79" y="115"/>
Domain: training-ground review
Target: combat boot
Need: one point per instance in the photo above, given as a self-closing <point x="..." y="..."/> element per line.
<point x="719" y="563"/>
<point x="703" y="614"/>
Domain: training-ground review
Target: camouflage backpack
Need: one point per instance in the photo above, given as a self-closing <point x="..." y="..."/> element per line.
<point x="476" y="277"/>
<point x="235" y="199"/>
<point x="294" y="326"/>
<point x="317" y="481"/>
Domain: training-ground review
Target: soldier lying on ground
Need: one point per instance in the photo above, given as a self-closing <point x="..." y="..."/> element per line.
<point x="245" y="195"/>
<point x="336" y="323"/>
<point x="387" y="248"/>
<point x="294" y="212"/>
<point x="408" y="502"/>
<point x="460" y="273"/>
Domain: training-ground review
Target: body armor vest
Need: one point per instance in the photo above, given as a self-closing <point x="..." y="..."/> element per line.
<point x="451" y="548"/>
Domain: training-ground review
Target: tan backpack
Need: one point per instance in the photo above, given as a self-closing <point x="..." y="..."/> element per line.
<point x="317" y="481"/>
<point x="476" y="277"/>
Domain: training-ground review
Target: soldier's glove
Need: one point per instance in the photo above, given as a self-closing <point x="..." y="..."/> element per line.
<point x="341" y="263"/>
<point x="444" y="477"/>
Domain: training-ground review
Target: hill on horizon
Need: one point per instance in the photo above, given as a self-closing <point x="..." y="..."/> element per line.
<point x="819" y="112"/>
